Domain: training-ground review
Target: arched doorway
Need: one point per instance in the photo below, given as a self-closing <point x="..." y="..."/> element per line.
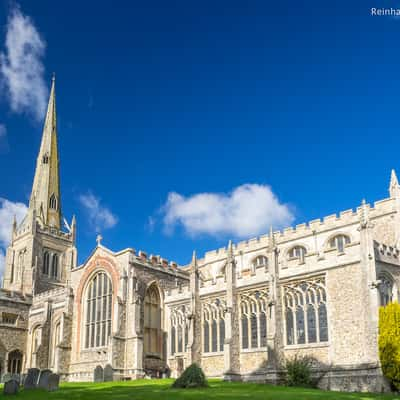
<point x="15" y="362"/>
<point x="153" y="335"/>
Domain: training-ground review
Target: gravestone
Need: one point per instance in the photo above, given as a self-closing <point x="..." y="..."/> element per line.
<point x="108" y="373"/>
<point x="11" y="387"/>
<point x="6" y="377"/>
<point x="53" y="382"/>
<point x="16" y="377"/>
<point x="31" y="379"/>
<point x="44" y="379"/>
<point x="98" y="374"/>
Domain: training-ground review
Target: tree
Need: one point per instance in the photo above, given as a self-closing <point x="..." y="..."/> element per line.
<point x="389" y="342"/>
<point x="192" y="377"/>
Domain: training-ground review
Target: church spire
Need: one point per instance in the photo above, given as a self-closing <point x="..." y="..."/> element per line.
<point x="45" y="197"/>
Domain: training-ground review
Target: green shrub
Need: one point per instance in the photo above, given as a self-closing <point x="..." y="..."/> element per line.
<point x="192" y="377"/>
<point x="389" y="342"/>
<point x="298" y="371"/>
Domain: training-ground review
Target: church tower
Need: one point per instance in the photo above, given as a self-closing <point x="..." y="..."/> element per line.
<point x="41" y="254"/>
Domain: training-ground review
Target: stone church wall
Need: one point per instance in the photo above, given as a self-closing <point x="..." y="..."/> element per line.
<point x="253" y="362"/>
<point x="213" y="365"/>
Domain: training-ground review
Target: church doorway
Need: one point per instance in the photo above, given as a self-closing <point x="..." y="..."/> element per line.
<point x="153" y="334"/>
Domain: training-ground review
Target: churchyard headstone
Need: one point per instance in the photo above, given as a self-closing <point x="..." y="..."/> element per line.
<point x="11" y="387"/>
<point x="44" y="378"/>
<point x="31" y="378"/>
<point x="98" y="374"/>
<point x="108" y="373"/>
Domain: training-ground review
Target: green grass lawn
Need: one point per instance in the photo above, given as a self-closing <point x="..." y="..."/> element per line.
<point x="160" y="390"/>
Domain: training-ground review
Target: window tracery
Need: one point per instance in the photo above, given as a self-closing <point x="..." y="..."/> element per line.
<point x="180" y="325"/>
<point x="305" y="312"/>
<point x="253" y="308"/>
<point x="152" y="321"/>
<point x="386" y="289"/>
<point x="98" y="311"/>
<point x="213" y="325"/>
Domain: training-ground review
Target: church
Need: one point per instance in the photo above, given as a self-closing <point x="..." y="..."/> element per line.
<point x="239" y="312"/>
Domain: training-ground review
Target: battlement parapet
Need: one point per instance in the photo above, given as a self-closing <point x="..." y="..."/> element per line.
<point x="180" y="290"/>
<point x="329" y="222"/>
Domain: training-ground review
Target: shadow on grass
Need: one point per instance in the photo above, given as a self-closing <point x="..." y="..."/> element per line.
<point x="161" y="390"/>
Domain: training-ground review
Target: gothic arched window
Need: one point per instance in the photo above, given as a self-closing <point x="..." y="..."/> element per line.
<point x="339" y="242"/>
<point x="213" y="326"/>
<point x="305" y="309"/>
<point x="15" y="362"/>
<point x="46" y="263"/>
<point x="53" y="202"/>
<point x="253" y="310"/>
<point x="98" y="311"/>
<point x="297" y="252"/>
<point x="54" y="266"/>
<point x="152" y="321"/>
<point x="20" y="266"/>
<point x="179" y="330"/>
<point x="385" y="290"/>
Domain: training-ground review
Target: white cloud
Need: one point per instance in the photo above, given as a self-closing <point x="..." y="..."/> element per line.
<point x="21" y="65"/>
<point x="248" y="210"/>
<point x="100" y="217"/>
<point x="7" y="211"/>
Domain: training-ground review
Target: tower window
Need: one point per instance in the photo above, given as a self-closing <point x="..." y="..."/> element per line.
<point x="53" y="202"/>
<point x="8" y="318"/>
<point x="46" y="263"/>
<point x="45" y="159"/>
<point x="54" y="266"/>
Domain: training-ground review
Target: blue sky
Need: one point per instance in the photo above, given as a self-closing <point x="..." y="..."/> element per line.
<point x="185" y="124"/>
